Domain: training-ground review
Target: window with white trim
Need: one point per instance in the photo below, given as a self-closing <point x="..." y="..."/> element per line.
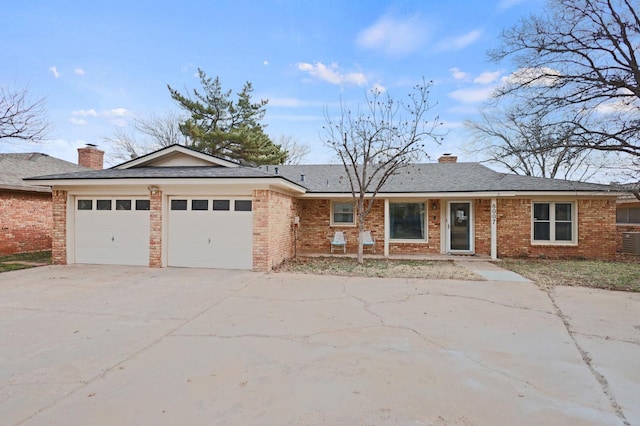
<point x="342" y="213"/>
<point x="407" y="221"/>
<point x="554" y="222"/>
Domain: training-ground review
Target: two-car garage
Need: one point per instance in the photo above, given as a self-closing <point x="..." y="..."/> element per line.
<point x="205" y="232"/>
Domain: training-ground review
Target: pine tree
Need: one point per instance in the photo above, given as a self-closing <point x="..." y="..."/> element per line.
<point x="229" y="129"/>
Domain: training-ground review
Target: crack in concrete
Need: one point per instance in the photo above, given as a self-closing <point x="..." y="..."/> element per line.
<point x="609" y="338"/>
<point x="586" y="358"/>
<point x="155" y="342"/>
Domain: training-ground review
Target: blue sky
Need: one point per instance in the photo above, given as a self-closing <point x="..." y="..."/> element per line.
<point x="100" y="64"/>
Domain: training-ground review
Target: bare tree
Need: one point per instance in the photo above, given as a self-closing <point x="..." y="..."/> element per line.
<point x="296" y="152"/>
<point x="534" y="144"/>
<point x="147" y="134"/>
<point x="581" y="55"/>
<point x="375" y="143"/>
<point x="21" y="117"/>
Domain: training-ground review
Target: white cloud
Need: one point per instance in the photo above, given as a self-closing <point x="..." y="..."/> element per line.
<point x="472" y="95"/>
<point x="85" y="113"/>
<point x="265" y="62"/>
<point x="332" y="74"/>
<point x="460" y="42"/>
<point x="457" y="74"/>
<point x="55" y="72"/>
<point x="533" y="76"/>
<point x="487" y="77"/>
<point x="394" y="36"/>
<point x="378" y="88"/>
<point x="78" y="71"/>
<point x="116" y="112"/>
<point x="77" y="121"/>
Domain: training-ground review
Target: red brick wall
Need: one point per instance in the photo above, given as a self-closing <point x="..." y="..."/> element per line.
<point x="155" y="229"/>
<point x="59" y="235"/>
<point x="273" y="236"/>
<point x="482" y="226"/>
<point x="596" y="231"/>
<point x="25" y="222"/>
<point x="316" y="230"/>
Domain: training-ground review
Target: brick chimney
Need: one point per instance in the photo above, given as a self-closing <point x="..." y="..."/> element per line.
<point x="90" y="156"/>
<point x="447" y="158"/>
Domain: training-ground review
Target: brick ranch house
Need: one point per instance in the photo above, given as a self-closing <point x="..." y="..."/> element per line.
<point x="180" y="207"/>
<point x="26" y="218"/>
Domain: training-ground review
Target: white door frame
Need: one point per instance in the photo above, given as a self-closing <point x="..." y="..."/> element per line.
<point x="471" y="223"/>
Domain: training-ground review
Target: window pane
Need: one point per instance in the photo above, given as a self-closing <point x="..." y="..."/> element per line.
<point x="563" y="211"/>
<point x="541" y="211"/>
<point x="622" y="216"/>
<point x="103" y="204"/>
<point x="85" y="204"/>
<point x="243" y="205"/>
<point x="634" y="215"/>
<point x="199" y="204"/>
<point x="343" y="213"/>
<point x="143" y="204"/>
<point x="563" y="231"/>
<point x="407" y="221"/>
<point x="178" y="204"/>
<point x="541" y="231"/>
<point x="123" y="204"/>
<point x="221" y="204"/>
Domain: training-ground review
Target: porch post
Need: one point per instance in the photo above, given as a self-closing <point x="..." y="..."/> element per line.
<point x="494" y="229"/>
<point x="386" y="227"/>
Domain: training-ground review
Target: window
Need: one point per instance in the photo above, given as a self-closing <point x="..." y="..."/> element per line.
<point x="199" y="204"/>
<point x="123" y="204"/>
<point x="143" y="205"/>
<point x="243" y="205"/>
<point x="342" y="214"/>
<point x="553" y="222"/>
<point x="221" y="204"/>
<point x="103" y="204"/>
<point x="178" y="204"/>
<point x="407" y="221"/>
<point x="85" y="204"/>
<point x="628" y="215"/>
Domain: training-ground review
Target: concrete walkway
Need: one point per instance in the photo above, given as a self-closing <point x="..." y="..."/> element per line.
<point x="492" y="272"/>
<point x="105" y="345"/>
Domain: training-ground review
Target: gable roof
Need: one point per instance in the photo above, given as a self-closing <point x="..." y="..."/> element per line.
<point x="166" y="154"/>
<point x="14" y="167"/>
<point x="431" y="178"/>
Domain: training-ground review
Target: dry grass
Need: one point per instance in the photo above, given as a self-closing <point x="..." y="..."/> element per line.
<point x="13" y="262"/>
<point x="623" y="276"/>
<point x="383" y="268"/>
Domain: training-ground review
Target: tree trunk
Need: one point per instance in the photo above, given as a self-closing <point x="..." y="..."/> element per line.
<point x="360" y="232"/>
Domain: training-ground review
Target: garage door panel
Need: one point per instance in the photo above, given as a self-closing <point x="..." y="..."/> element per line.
<point x="112" y="237"/>
<point x="210" y="239"/>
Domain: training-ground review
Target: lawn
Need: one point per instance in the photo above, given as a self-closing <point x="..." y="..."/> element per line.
<point x="384" y="268"/>
<point x="623" y="276"/>
<point x="24" y="260"/>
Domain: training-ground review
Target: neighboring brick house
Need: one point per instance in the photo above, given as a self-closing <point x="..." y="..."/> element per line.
<point x="26" y="219"/>
<point x="180" y="207"/>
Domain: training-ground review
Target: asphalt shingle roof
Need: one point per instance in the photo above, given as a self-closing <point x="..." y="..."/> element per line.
<point x="331" y="178"/>
<point x="14" y="167"/>
<point x="430" y="177"/>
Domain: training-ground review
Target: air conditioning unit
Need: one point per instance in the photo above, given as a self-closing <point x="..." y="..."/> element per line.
<point x="631" y="243"/>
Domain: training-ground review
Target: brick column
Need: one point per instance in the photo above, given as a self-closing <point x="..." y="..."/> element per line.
<point x="261" y="230"/>
<point x="59" y="233"/>
<point x="155" y="229"/>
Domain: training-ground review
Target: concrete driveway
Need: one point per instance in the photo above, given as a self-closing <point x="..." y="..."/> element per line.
<point x="125" y="345"/>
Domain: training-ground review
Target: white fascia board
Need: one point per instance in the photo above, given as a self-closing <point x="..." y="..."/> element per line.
<point x="466" y="195"/>
<point x="256" y="183"/>
<point x="171" y="150"/>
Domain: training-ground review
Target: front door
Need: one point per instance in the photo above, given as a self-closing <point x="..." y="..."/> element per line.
<point x="460" y="235"/>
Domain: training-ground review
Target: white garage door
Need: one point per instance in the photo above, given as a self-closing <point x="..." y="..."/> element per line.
<point x="210" y="233"/>
<point x="112" y="231"/>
